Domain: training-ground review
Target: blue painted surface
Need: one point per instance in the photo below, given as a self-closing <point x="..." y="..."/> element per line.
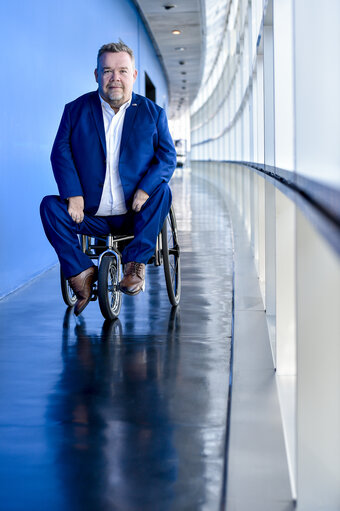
<point x="48" y="55"/>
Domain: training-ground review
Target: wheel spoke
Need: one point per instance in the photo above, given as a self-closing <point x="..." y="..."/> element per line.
<point x="109" y="294"/>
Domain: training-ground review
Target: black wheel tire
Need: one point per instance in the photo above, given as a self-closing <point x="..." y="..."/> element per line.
<point x="68" y="294"/>
<point x="109" y="296"/>
<point x="171" y="258"/>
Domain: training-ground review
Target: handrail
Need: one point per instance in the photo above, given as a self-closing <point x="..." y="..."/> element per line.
<point x="319" y="201"/>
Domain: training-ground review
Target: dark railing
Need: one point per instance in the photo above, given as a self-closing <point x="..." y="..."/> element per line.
<point x="319" y="202"/>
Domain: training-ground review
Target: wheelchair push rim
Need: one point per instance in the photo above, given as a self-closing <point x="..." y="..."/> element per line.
<point x="171" y="258"/>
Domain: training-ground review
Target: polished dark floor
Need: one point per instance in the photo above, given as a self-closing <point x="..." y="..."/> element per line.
<point x="129" y="415"/>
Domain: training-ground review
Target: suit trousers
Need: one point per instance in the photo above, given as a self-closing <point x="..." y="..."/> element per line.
<point x="62" y="232"/>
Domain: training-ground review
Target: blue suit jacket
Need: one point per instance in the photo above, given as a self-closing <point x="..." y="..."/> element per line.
<point x="147" y="154"/>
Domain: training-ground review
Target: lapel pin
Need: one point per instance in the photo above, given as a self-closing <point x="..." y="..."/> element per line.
<point x="134" y="104"/>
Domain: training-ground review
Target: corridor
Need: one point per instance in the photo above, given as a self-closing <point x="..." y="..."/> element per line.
<point x="231" y="402"/>
<point x="128" y="415"/>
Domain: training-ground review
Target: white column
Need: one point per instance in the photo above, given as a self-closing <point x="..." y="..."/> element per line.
<point x="286" y="325"/>
<point x="260" y="112"/>
<point x="269" y="124"/>
<point x="270" y="259"/>
<point x="318" y="371"/>
<point x="283" y="84"/>
<point x="262" y="236"/>
<point x="285" y="286"/>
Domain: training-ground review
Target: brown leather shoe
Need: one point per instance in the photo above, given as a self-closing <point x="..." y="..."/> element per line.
<point x="133" y="281"/>
<point x="82" y="286"/>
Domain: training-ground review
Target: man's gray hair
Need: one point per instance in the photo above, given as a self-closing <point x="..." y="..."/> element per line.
<point x="115" y="48"/>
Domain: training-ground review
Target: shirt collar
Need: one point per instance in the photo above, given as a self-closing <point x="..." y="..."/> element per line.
<point x="109" y="109"/>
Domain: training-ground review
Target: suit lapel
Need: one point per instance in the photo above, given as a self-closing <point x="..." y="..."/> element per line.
<point x="96" y="108"/>
<point x="130" y="115"/>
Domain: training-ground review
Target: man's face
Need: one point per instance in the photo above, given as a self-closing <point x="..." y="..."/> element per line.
<point x="115" y="76"/>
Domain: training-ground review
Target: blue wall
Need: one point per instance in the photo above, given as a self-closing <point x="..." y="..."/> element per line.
<point x="48" y="55"/>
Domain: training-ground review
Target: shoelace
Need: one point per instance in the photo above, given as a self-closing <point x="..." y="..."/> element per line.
<point x="136" y="269"/>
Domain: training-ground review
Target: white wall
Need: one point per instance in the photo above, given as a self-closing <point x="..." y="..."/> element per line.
<point x="277" y="102"/>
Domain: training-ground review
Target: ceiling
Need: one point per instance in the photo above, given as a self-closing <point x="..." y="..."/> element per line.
<point x="182" y="55"/>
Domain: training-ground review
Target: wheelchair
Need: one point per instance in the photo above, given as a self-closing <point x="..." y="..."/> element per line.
<point x="106" y="251"/>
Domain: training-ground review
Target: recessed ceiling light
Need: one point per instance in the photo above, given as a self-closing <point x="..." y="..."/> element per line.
<point x="169" y="6"/>
<point x="181" y="62"/>
<point x="183" y="72"/>
<point x="180" y="48"/>
<point x="176" y="32"/>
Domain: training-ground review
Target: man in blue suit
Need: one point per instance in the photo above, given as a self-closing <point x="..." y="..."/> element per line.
<point x="112" y="159"/>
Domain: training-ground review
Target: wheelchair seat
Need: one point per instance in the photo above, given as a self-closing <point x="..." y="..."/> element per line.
<point x="106" y="253"/>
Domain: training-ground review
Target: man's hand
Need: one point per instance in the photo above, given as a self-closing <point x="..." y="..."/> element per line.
<point x="139" y="199"/>
<point x="76" y="208"/>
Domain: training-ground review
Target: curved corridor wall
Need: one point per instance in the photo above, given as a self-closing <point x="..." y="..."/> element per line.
<point x="268" y="114"/>
<point x="267" y="99"/>
<point x="48" y="55"/>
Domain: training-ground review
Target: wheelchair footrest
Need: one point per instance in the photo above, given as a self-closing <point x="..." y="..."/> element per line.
<point x="94" y="292"/>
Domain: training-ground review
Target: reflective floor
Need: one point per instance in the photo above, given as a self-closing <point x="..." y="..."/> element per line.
<point x="128" y="415"/>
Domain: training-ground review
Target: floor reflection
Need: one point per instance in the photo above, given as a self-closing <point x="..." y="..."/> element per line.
<point x="111" y="403"/>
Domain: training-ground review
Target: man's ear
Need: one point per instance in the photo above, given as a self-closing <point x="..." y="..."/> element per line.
<point x="96" y="75"/>
<point x="135" y="73"/>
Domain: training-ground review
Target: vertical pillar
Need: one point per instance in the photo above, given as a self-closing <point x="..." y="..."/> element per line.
<point x="262" y="236"/>
<point x="283" y="89"/>
<point x="260" y="158"/>
<point x="270" y="259"/>
<point x="269" y="158"/>
<point x="285" y="286"/>
<point x="318" y="374"/>
<point x="269" y="121"/>
<point x="286" y="325"/>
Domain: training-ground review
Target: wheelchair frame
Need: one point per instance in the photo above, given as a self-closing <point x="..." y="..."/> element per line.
<point x="106" y="289"/>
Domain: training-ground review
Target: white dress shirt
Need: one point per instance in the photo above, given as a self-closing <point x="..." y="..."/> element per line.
<point x="112" y="201"/>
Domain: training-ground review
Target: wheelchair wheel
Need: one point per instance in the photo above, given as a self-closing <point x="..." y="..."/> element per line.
<point x="68" y="294"/>
<point x="171" y="258"/>
<point x="109" y="296"/>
